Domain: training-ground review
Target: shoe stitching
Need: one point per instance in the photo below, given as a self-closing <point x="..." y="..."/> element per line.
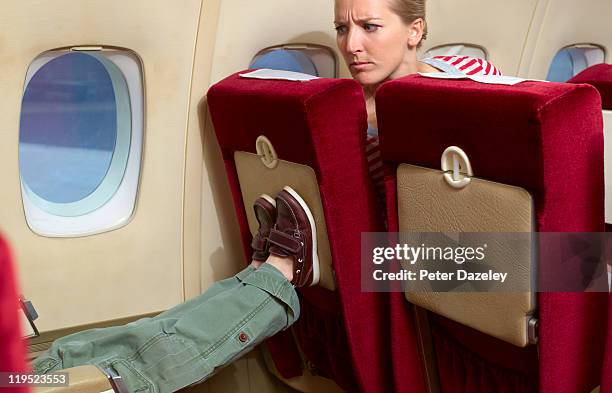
<point x="291" y="210"/>
<point x="297" y="226"/>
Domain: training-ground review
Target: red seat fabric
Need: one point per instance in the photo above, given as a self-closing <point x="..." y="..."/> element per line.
<point x="599" y="76"/>
<point x="12" y="346"/>
<point x="546" y="138"/>
<point x="322" y="124"/>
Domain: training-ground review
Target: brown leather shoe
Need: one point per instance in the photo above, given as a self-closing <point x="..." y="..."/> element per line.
<point x="294" y="235"/>
<point x="265" y="212"/>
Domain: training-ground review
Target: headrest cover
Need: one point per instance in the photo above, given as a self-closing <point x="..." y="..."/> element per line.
<point x="600" y="76"/>
<point x="544" y="137"/>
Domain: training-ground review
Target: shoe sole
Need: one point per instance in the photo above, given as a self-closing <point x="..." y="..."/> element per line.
<point x="315" y="257"/>
<point x="269" y="199"/>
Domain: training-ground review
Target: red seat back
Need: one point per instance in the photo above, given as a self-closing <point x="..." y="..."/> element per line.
<point x="547" y="139"/>
<point x="321" y="124"/>
<point x="600" y="76"/>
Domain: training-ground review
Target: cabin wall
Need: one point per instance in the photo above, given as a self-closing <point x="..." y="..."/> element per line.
<point x="245" y="28"/>
<point x="136" y="269"/>
<point x="560" y="23"/>
<point x="502" y="32"/>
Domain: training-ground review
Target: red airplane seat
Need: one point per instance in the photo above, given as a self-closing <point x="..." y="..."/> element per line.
<point x="12" y="346"/>
<point x="319" y="128"/>
<point x="545" y="138"/>
<point x="600" y="76"/>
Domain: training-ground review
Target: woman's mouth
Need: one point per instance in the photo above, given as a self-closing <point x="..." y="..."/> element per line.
<point x="359" y="66"/>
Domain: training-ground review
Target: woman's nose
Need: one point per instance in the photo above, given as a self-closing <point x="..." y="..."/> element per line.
<point x="353" y="41"/>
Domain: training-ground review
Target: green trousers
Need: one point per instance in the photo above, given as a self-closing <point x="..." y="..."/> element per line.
<point x="188" y="343"/>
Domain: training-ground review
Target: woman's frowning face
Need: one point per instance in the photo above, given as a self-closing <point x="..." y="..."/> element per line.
<point x="375" y="42"/>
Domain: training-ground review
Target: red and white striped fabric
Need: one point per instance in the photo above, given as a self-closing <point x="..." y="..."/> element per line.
<point x="469" y="65"/>
<point x="375" y="167"/>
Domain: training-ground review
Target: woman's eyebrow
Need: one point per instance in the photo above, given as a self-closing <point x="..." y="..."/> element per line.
<point x="369" y="19"/>
<point x="360" y="20"/>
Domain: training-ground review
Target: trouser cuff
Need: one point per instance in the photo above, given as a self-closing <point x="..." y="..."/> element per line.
<point x="271" y="280"/>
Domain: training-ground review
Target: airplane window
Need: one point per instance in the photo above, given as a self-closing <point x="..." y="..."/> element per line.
<point x="80" y="141"/>
<point x="310" y="59"/>
<point x="457" y="49"/>
<point x="68" y="128"/>
<point x="571" y="60"/>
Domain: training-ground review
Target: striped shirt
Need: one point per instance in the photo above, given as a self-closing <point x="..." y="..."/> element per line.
<point x="465" y="65"/>
<point x="450" y="64"/>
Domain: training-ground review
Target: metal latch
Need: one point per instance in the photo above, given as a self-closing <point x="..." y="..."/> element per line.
<point x="532" y="330"/>
<point x="456" y="167"/>
<point x="266" y="152"/>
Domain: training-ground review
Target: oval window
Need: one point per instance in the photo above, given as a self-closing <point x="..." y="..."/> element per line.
<point x="572" y="60"/>
<point x="313" y="59"/>
<point x="74" y="133"/>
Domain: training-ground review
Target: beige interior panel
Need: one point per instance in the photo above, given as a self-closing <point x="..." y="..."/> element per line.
<point x="82" y="379"/>
<point x="306" y="383"/>
<point x="246" y="28"/>
<point x="138" y="268"/>
<point x="499" y="26"/>
<point x="426" y="203"/>
<point x="256" y="179"/>
<point x="212" y="247"/>
<point x="246" y="375"/>
<point x="222" y="254"/>
<point x="560" y="23"/>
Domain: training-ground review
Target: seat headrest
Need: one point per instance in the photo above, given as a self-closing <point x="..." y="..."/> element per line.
<point x="600" y="76"/>
<point x="544" y="137"/>
<point x="495" y="125"/>
<point x="296" y="116"/>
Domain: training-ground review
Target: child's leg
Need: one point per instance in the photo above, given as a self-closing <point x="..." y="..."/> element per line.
<point x="187" y="345"/>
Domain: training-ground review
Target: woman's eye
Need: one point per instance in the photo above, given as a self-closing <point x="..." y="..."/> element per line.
<point x="341" y="29"/>
<point x="370" y="27"/>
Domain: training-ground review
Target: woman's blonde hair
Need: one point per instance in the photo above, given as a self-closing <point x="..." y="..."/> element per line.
<point x="409" y="11"/>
